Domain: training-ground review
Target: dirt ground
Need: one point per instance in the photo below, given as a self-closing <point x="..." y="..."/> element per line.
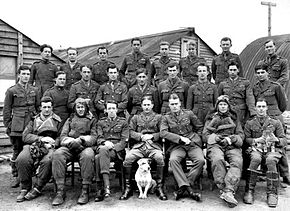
<point x="210" y="201"/>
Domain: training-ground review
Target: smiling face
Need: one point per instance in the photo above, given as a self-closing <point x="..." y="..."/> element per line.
<point x="223" y="107"/>
<point x="172" y="72"/>
<point x="80" y="109"/>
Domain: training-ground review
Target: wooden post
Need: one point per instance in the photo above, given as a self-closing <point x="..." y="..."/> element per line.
<point x="20" y="50"/>
<point x="270" y="5"/>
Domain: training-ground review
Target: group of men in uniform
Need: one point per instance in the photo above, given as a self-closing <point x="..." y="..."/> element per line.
<point x="89" y="113"/>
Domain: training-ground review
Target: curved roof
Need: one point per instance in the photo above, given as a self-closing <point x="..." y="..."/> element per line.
<point x="254" y="52"/>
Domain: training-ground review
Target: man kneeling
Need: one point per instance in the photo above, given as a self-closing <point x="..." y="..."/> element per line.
<point x="77" y="138"/>
<point x="144" y="131"/>
<point x="267" y="140"/>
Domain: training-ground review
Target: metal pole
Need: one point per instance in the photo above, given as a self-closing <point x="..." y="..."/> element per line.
<point x="270" y="5"/>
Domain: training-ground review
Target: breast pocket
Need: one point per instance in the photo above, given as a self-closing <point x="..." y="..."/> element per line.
<point x="165" y="94"/>
<point x="276" y="70"/>
<point x="19" y="99"/>
<point x="31" y="98"/>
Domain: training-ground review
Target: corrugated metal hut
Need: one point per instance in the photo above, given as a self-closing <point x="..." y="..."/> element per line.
<point x="254" y="52"/>
<point x="150" y="45"/>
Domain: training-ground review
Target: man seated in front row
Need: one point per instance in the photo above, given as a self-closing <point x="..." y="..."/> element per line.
<point x="39" y="137"/>
<point x="77" y="138"/>
<point x="113" y="134"/>
<point x="144" y="132"/>
<point x="183" y="129"/>
<point x="266" y="139"/>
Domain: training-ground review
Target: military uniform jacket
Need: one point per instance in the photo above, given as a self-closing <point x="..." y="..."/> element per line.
<point x="80" y="89"/>
<point x="240" y="94"/>
<point x="43" y="74"/>
<point x="219" y="66"/>
<point x="278" y="69"/>
<point x="188" y="67"/>
<point x="75" y="127"/>
<point x="37" y="129"/>
<point x="116" y="131"/>
<point x="100" y="71"/>
<point x="254" y="129"/>
<point x="133" y="61"/>
<point x="106" y="93"/>
<point x="72" y="74"/>
<point x="20" y="105"/>
<point x="135" y="96"/>
<point x="274" y="95"/>
<point x="59" y="96"/>
<point x="184" y="124"/>
<point x="158" y="70"/>
<point x="167" y="87"/>
<point x="201" y="98"/>
<point x="145" y="124"/>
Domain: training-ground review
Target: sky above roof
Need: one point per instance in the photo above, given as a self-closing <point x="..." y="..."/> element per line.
<point x="64" y="23"/>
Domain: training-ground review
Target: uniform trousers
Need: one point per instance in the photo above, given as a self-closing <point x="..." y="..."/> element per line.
<point x="180" y="152"/>
<point x="272" y="159"/>
<point x="229" y="178"/>
<point x="63" y="155"/>
<point x="26" y="169"/>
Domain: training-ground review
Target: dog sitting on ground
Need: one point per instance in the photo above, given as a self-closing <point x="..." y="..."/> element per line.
<point x="143" y="178"/>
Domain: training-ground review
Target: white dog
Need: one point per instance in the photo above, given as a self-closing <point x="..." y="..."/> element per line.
<point x="143" y="178"/>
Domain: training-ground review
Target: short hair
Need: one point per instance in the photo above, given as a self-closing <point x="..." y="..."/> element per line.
<point x="261" y="65"/>
<point x="59" y="73"/>
<point x="269" y="40"/>
<point x="191" y="43"/>
<point x="111" y="102"/>
<point x="147" y="97"/>
<point x="261" y="99"/>
<point x="141" y="70"/>
<point x="112" y="66"/>
<point x="22" y="67"/>
<point x="172" y="64"/>
<point x="46" y="99"/>
<point x="226" y="39"/>
<point x="203" y="64"/>
<point x="71" y="48"/>
<point x="174" y="96"/>
<point x="102" y="48"/>
<point x="42" y="47"/>
<point x="164" y="43"/>
<point x="136" y="39"/>
<point x="86" y="65"/>
<point x="234" y="63"/>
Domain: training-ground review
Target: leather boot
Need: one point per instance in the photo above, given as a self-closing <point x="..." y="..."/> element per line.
<point x="84" y="197"/>
<point x="272" y="188"/>
<point x="193" y="195"/>
<point x="229" y="198"/>
<point x="250" y="186"/>
<point x="32" y="194"/>
<point x="60" y="196"/>
<point x="99" y="192"/>
<point x="15" y="181"/>
<point x="20" y="197"/>
<point x="128" y="192"/>
<point x="159" y="180"/>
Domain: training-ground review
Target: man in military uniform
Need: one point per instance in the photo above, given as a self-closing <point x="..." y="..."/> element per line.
<point x="183" y="130"/>
<point x="20" y="105"/>
<point x="188" y="65"/>
<point x="77" y="138"/>
<point x="144" y="133"/>
<point x="276" y="101"/>
<point x="100" y="67"/>
<point x="202" y="95"/>
<point x="59" y="96"/>
<point x="43" y="71"/>
<point x="277" y="66"/>
<point x="71" y="68"/>
<point x="113" y="90"/>
<point x="239" y="91"/>
<point x="39" y="137"/>
<point x="266" y="139"/>
<point x="86" y="88"/>
<point x="132" y="62"/>
<point x="219" y="66"/>
<point x="173" y="84"/>
<point x="159" y="66"/>
<point x="138" y="91"/>
<point x="113" y="134"/>
<point x="224" y="136"/>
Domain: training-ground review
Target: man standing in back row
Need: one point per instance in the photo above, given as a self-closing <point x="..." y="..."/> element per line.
<point x="219" y="66"/>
